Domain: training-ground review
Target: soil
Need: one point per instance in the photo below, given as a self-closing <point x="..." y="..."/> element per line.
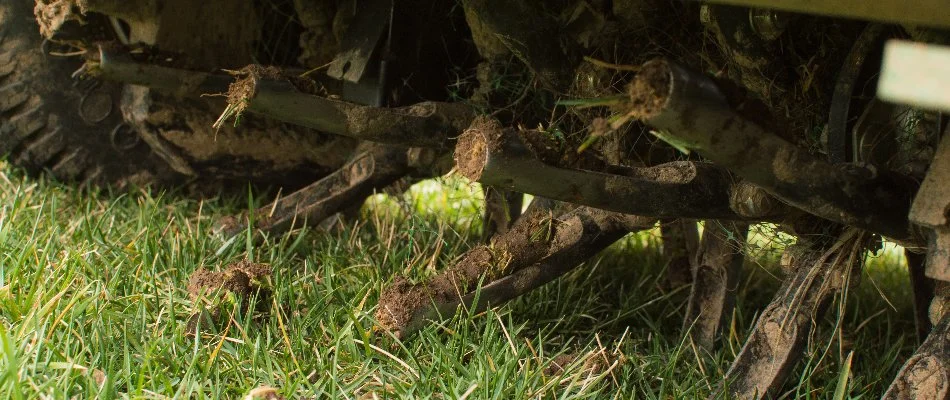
<point x="593" y="363"/>
<point x="474" y="145"/>
<point x="52" y="14"/>
<point x="244" y="88"/>
<point x="242" y="278"/>
<point x="546" y="148"/>
<point x="650" y="90"/>
<point x="928" y="379"/>
<point x="264" y="393"/>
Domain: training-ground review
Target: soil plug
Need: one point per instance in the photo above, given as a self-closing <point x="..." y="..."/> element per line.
<point x="226" y="290"/>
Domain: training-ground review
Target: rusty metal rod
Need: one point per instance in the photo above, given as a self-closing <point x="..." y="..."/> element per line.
<point x="691" y="107"/>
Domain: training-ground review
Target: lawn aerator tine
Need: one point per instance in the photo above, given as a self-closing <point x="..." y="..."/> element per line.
<point x="501" y="157"/>
<point x="817" y="268"/>
<point x="929" y="210"/>
<point x="502" y="209"/>
<point x="715" y="277"/>
<point x="543" y="245"/>
<point x="926" y="375"/>
<point x="725" y="127"/>
<point x="680" y="248"/>
<point x="923" y="289"/>
<point x="373" y="167"/>
<point x="425" y="124"/>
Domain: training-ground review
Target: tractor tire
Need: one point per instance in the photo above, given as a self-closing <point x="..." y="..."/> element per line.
<point x="70" y="128"/>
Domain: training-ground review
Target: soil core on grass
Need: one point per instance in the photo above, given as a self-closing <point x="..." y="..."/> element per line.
<point x="244" y="279"/>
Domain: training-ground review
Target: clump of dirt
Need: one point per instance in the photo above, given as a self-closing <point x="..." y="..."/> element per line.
<point x="264" y="393"/>
<point x="474" y="146"/>
<point x="244" y="88"/>
<point x="650" y="90"/>
<point x="52" y="14"/>
<point x="485" y="136"/>
<point x="592" y="364"/>
<point x="545" y="147"/>
<point x="243" y="279"/>
<point x="402" y="305"/>
<point x="559" y="364"/>
<point x="398" y="305"/>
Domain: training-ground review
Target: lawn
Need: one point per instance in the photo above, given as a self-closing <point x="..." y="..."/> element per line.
<point x="93" y="303"/>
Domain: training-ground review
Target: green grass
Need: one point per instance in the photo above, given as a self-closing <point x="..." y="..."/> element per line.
<point x="93" y="304"/>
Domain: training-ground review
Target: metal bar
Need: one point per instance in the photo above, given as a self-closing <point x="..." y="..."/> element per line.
<point x="690" y="107"/>
<point x="372" y="168"/>
<point x="683" y="189"/>
<point x="926" y="375"/>
<point x="426" y="124"/>
<point x="934" y="13"/>
<point x="715" y="281"/>
<point x="930" y="211"/>
<point x="573" y="237"/>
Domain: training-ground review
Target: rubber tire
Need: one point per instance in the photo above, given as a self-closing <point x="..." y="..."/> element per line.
<point x="52" y="122"/>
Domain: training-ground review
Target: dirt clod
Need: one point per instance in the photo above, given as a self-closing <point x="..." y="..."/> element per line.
<point x="471" y="152"/>
<point x="650" y="90"/>
<point x="52" y="14"/>
<point x="263" y="393"/>
<point x="244" y="279"/>
<point x="244" y="88"/>
<point x="592" y="363"/>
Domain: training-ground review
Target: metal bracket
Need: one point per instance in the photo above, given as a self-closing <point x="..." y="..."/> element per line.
<point x="361" y="64"/>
